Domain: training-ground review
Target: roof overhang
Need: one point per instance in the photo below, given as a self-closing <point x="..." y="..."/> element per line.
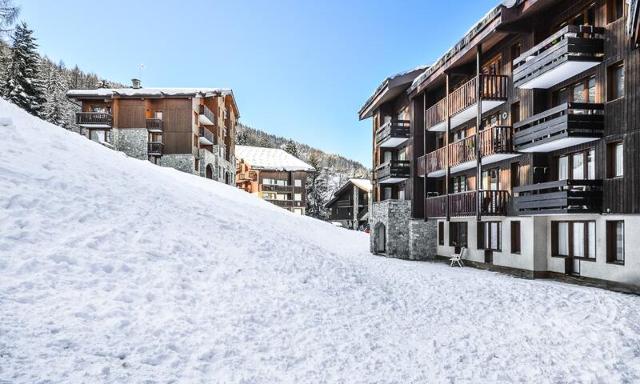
<point x="390" y="88"/>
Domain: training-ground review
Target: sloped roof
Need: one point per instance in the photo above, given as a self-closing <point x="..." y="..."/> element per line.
<point x="106" y="92"/>
<point x="364" y="184"/>
<point x="271" y="158"/>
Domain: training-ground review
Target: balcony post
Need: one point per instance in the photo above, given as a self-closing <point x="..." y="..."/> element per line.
<point x="479" y="93"/>
<point x="446" y="145"/>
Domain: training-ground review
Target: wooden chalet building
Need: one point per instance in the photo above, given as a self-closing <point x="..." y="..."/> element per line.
<point x="521" y="144"/>
<point x="190" y="129"/>
<point x="273" y="175"/>
<point x="349" y="206"/>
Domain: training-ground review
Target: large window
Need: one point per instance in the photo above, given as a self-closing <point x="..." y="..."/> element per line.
<point x="573" y="239"/>
<point x="615" y="81"/>
<point x="457" y="234"/>
<point x="489" y="236"/>
<point x="615" y="157"/>
<point x="583" y="91"/>
<point x="577" y="166"/>
<point x="516" y="242"/>
<point x="615" y="242"/>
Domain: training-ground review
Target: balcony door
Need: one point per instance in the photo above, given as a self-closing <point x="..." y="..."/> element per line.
<point x="491" y="179"/>
<point x="577" y="166"/>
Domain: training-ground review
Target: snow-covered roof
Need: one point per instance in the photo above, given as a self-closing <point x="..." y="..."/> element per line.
<point x="139" y="92"/>
<point x="271" y="159"/>
<point x="364" y="184"/>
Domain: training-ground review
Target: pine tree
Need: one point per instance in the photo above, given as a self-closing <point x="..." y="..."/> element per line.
<point x="23" y="83"/>
<point x="55" y="109"/>
<point x="291" y="148"/>
<point x="317" y="189"/>
<point x="8" y="15"/>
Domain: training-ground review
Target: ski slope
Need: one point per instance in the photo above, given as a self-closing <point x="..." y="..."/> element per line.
<point x="113" y="270"/>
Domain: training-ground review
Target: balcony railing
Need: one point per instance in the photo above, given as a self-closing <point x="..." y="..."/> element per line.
<point x="436" y="161"/>
<point x="462" y="151"/>
<point x="494" y="90"/>
<point x="492" y="203"/>
<point x="393" y="133"/>
<point x="436" y="115"/>
<point x="287" y="203"/>
<point x="155" y="148"/>
<point x="281" y="188"/>
<point x="495" y="140"/>
<point x="154" y="125"/>
<point x="206" y="117"/>
<point x="393" y="171"/>
<point x="206" y="137"/>
<point x="560" y="127"/>
<point x="566" y="53"/>
<point x="94" y="120"/>
<point x="563" y="196"/>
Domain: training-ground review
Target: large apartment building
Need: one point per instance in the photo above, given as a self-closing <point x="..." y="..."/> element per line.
<point x="521" y="144"/>
<point x="190" y="129"/>
<point x="273" y="175"/>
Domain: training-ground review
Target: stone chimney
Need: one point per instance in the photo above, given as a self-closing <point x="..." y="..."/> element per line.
<point x="135" y="84"/>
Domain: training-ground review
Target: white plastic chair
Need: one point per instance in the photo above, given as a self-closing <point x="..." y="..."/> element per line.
<point x="457" y="259"/>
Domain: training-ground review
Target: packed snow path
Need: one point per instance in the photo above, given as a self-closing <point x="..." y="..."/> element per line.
<point x="118" y="271"/>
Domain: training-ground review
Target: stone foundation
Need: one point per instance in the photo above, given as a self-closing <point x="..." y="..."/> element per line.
<point x="181" y="162"/>
<point x="131" y="141"/>
<point x="395" y="234"/>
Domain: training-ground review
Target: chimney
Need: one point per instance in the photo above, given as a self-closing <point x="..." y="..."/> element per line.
<point x="135" y="83"/>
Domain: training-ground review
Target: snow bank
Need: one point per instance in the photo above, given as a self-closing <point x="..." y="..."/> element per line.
<point x="114" y="270"/>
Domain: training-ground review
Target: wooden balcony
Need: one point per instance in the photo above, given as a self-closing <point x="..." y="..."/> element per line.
<point x="492" y="203"/>
<point x="560" y="127"/>
<point x="205" y="116"/>
<point x="435" y="162"/>
<point x="287" y="203"/>
<point x="393" y="172"/>
<point x="563" y="196"/>
<point x="462" y="154"/>
<point x="155" y="149"/>
<point x="463" y="103"/>
<point x="206" y="137"/>
<point x="95" y="120"/>
<point x="281" y="188"/>
<point x="154" y="125"/>
<point x="393" y="133"/>
<point x="566" y="53"/>
<point x="435" y="116"/>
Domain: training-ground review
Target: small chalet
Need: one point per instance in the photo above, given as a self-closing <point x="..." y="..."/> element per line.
<point x="349" y="206"/>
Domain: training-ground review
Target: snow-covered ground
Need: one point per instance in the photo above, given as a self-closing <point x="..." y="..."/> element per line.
<point x="115" y="270"/>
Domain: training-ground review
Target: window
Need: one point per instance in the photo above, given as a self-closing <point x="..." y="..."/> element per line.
<point x="573" y="239"/>
<point x="157" y="115"/>
<point x="515" y="237"/>
<point x="489" y="236"/>
<point x="577" y="166"/>
<point x="563" y="168"/>
<point x="515" y="174"/>
<point x="297" y="182"/>
<point x="441" y="233"/>
<point x="582" y="91"/>
<point x="459" y="184"/>
<point x="297" y="197"/>
<point x="616" y="160"/>
<point x="490" y="179"/>
<point x="615" y="81"/>
<point x="515" y="112"/>
<point x="457" y="234"/>
<point x="615" y="10"/>
<point x="615" y="242"/>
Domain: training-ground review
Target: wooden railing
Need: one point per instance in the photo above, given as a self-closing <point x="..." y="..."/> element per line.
<point x="567" y="119"/>
<point x="393" y="129"/>
<point x="204" y="110"/>
<point x="562" y="196"/>
<point x="462" y="151"/>
<point x="155" y="148"/>
<point x="436" y="206"/>
<point x="394" y="169"/>
<point x="207" y="134"/>
<point x="436" y="160"/>
<point x="585" y="42"/>
<point x="421" y="166"/>
<point x="94" y="118"/>
<point x="154" y="125"/>
<point x="492" y="203"/>
<point x="495" y="140"/>
<point x="436" y="114"/>
<point x="286" y="203"/>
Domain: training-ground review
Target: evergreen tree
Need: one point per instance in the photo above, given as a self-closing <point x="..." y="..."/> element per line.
<point x="291" y="148"/>
<point x="55" y="109"/>
<point x="8" y="15"/>
<point x="242" y="138"/>
<point x="23" y="84"/>
<point x="317" y="189"/>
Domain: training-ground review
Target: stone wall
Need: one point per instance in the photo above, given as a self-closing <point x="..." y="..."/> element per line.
<point x="181" y="162"/>
<point x="405" y="238"/>
<point x="209" y="158"/>
<point x="131" y="141"/>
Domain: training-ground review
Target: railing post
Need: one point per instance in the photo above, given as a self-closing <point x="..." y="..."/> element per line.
<point x="478" y="126"/>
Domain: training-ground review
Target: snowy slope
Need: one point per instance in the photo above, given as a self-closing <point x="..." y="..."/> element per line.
<point x="115" y="270"/>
